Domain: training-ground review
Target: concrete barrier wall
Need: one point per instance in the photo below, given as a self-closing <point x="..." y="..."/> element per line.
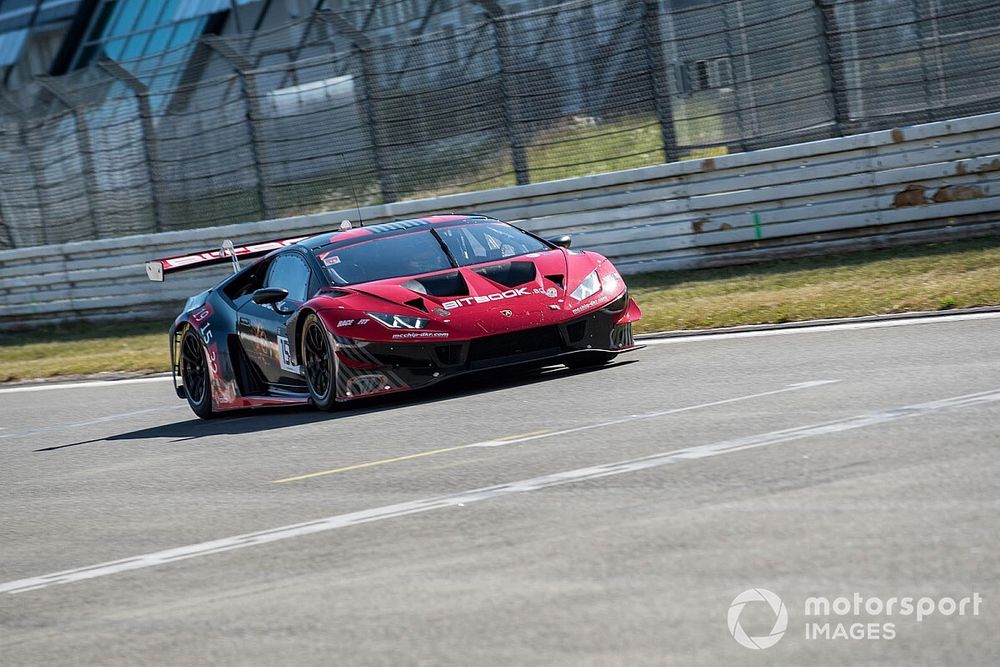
<point x="921" y="183"/>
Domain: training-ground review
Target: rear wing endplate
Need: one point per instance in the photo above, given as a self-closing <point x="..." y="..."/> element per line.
<point x="157" y="269"/>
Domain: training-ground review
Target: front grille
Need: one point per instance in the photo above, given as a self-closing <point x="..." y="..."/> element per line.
<point x="576" y="331"/>
<point x="526" y="343"/>
<point x="449" y="355"/>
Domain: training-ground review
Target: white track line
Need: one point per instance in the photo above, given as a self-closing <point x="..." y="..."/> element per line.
<point x="476" y="495"/>
<point x="651" y="415"/>
<point x="819" y="328"/>
<point x="87" y="384"/>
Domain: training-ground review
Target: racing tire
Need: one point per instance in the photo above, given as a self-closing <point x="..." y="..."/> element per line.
<point x="195" y="374"/>
<point x="582" y="360"/>
<point x="319" y="364"/>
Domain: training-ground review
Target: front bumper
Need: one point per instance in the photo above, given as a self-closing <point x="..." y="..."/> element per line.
<point x="369" y="368"/>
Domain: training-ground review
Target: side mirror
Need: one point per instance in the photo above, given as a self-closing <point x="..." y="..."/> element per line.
<point x="269" y="296"/>
<point x="563" y="241"/>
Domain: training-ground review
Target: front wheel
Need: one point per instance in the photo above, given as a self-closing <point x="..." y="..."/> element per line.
<point x="589" y="359"/>
<point x="319" y="363"/>
<point x="195" y="374"/>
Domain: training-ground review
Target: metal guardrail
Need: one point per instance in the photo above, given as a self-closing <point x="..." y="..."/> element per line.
<point x="920" y="183"/>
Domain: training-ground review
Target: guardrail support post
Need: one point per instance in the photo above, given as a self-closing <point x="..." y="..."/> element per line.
<point x="363" y="51"/>
<point x="141" y="93"/>
<point x="251" y="97"/>
<point x="501" y="31"/>
<point x="658" y="78"/>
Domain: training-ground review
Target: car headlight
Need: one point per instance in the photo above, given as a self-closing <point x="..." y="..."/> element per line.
<point x="399" y="321"/>
<point x="590" y="286"/>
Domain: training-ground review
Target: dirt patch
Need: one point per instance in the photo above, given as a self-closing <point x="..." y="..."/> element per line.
<point x="958" y="193"/>
<point x="912" y="195"/>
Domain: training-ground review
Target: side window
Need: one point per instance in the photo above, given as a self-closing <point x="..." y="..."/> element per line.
<point x="290" y="272"/>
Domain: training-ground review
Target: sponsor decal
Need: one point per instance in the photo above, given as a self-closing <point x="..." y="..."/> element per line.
<point x="591" y="304"/>
<point x="507" y="313"/>
<point x="201" y="323"/>
<point x="499" y="296"/>
<point x="442" y="312"/>
<point x="551" y="293"/>
<point x="348" y="323"/>
<point x="420" y="334"/>
<point x="285" y="356"/>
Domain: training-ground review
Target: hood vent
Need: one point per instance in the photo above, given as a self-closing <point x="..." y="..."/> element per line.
<point x="447" y="284"/>
<point x="558" y="280"/>
<point x="416" y="303"/>
<point x="509" y="274"/>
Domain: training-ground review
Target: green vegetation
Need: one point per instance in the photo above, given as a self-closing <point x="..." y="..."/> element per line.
<point x="932" y="277"/>
<point x="139" y="347"/>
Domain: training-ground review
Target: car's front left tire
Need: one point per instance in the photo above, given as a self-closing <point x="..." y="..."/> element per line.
<point x="195" y="374"/>
<point x="319" y="363"/>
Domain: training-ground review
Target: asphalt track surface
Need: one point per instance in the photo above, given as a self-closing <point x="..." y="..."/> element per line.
<point x="481" y="522"/>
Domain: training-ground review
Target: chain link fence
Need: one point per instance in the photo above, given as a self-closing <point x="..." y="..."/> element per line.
<point x="313" y="114"/>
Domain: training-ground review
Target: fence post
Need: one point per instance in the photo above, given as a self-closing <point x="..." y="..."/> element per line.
<point x="141" y="93"/>
<point x="251" y="97"/>
<point x="741" y="127"/>
<point x="363" y="50"/>
<point x="834" y="66"/>
<point x="501" y="31"/>
<point x="37" y="166"/>
<point x="925" y="75"/>
<point x="84" y="145"/>
<point x="5" y="125"/>
<point x="658" y="78"/>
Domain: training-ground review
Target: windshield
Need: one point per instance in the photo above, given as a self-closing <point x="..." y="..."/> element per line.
<point x="418" y="252"/>
<point x="487" y="241"/>
<point x="386" y="257"/>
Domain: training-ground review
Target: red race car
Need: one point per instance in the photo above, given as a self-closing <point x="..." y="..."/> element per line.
<point x="389" y="307"/>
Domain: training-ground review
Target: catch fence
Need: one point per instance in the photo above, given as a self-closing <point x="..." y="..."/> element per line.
<point x="314" y="114"/>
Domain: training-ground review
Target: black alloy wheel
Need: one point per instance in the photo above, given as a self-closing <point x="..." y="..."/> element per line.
<point x="195" y="374"/>
<point x="319" y="363"/>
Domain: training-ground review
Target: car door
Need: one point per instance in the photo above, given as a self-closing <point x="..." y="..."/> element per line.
<point x="262" y="328"/>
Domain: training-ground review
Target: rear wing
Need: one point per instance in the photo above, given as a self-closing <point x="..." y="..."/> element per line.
<point x="157" y="269"/>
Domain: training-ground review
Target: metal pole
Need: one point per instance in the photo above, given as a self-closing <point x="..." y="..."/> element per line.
<point x="834" y="66"/>
<point x="928" y="101"/>
<point x="519" y="156"/>
<point x="37" y="165"/>
<point x="363" y="49"/>
<point x="745" y="46"/>
<point x="141" y="93"/>
<point x="658" y="79"/>
<point x="254" y="114"/>
<point x="14" y="112"/>
<point x="84" y="145"/>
